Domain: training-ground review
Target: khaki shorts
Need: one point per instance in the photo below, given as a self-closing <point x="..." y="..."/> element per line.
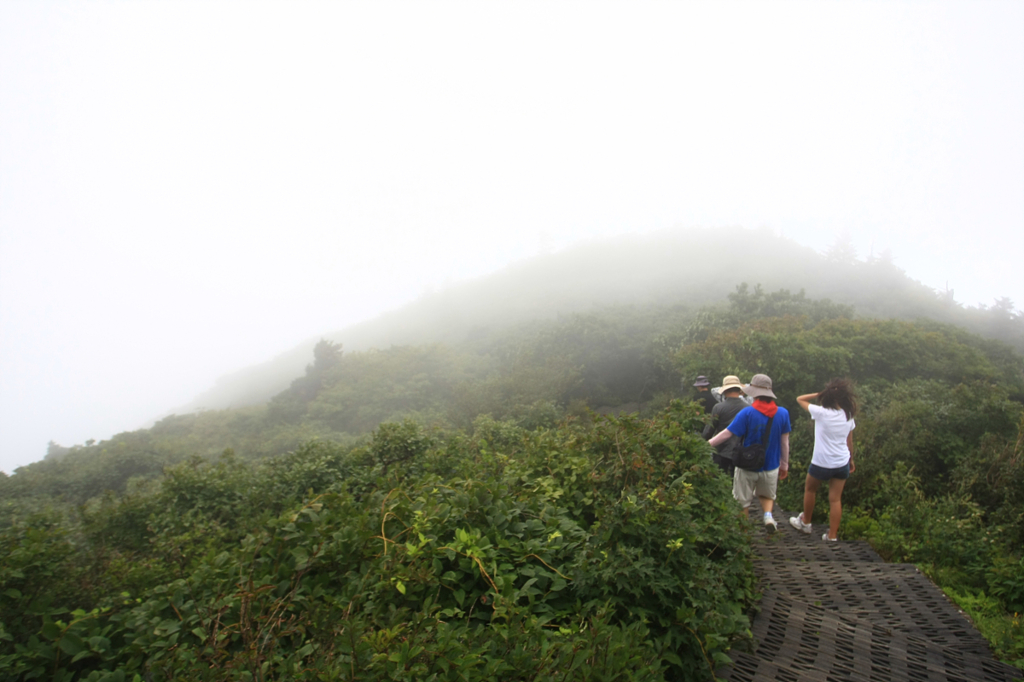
<point x="747" y="484"/>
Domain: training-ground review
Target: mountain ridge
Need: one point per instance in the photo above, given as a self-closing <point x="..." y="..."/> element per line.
<point x="698" y="266"/>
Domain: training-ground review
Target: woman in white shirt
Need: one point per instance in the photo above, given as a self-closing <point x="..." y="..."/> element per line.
<point x="833" y="452"/>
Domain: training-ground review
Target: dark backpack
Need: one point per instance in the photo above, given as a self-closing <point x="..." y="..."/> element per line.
<point x="751" y="457"/>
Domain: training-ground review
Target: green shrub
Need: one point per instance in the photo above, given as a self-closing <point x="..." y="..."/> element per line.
<point x="1004" y="632"/>
<point x="1006" y="581"/>
<point x="611" y="551"/>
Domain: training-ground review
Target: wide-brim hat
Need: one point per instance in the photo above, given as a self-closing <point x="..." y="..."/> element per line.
<point x="760" y="386"/>
<point x="731" y="381"/>
<point x="702" y="381"/>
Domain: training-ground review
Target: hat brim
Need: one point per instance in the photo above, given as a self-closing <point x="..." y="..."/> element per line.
<point x="758" y="392"/>
<point x="726" y="387"/>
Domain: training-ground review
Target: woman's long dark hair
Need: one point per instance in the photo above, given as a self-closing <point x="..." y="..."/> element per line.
<point x="839" y="395"/>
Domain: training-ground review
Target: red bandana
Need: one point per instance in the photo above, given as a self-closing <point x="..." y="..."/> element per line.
<point x="767" y="409"/>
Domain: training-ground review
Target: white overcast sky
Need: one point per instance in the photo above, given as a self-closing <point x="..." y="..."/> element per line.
<point x="188" y="188"/>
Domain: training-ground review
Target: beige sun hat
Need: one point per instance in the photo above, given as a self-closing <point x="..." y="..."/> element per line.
<point x="731" y="381"/>
<point x="760" y="385"/>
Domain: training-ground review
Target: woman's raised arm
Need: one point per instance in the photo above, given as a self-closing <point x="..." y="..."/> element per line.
<point x="805" y="400"/>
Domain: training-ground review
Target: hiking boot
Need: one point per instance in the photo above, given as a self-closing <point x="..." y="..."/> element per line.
<point x="826" y="538"/>
<point x="769" y="524"/>
<point x="798" y="523"/>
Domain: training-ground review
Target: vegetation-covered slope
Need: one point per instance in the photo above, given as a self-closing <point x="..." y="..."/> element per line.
<point x="420" y="475"/>
<point x="610" y="552"/>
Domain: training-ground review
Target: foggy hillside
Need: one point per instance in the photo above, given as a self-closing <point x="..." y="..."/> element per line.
<point x="363" y="438"/>
<point x="693" y="268"/>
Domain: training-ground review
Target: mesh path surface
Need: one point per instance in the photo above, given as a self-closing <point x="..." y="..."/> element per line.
<point x="836" y="611"/>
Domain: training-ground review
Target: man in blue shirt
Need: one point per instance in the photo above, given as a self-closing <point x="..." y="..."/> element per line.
<point x="749" y="425"/>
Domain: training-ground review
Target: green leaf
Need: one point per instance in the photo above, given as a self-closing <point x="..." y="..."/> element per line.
<point x="99" y="643"/>
<point x="400" y="586"/>
<point x="51" y="631"/>
<point x="71" y="644"/>
<point x="169" y="626"/>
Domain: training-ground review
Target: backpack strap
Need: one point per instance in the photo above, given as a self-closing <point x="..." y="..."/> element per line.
<point x="767" y="433"/>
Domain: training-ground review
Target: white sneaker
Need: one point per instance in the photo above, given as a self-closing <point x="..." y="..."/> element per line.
<point x="798" y="523"/>
<point x="826" y="538"/>
<point x="769" y="524"/>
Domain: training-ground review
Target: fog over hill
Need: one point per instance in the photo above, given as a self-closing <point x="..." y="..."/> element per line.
<point x="674" y="267"/>
<point x="189" y="189"/>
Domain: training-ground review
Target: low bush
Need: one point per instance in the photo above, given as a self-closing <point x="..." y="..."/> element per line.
<point x="607" y="551"/>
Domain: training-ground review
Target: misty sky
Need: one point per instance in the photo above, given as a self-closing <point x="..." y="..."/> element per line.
<point x="188" y="188"/>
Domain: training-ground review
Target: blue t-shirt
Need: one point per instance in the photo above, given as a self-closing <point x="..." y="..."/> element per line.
<point x="749" y="425"/>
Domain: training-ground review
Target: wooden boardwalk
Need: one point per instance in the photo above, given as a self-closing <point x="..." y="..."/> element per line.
<point x="836" y="611"/>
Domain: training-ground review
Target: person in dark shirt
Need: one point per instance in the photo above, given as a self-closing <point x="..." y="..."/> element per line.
<point x="704" y="395"/>
<point x="721" y="416"/>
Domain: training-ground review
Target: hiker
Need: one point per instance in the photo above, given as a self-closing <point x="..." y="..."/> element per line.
<point x="749" y="425"/>
<point x="722" y="415"/>
<point x="704" y="395"/>
<point x="832" y="460"/>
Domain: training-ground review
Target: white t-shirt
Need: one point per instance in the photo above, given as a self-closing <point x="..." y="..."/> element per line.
<point x="830" y="430"/>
